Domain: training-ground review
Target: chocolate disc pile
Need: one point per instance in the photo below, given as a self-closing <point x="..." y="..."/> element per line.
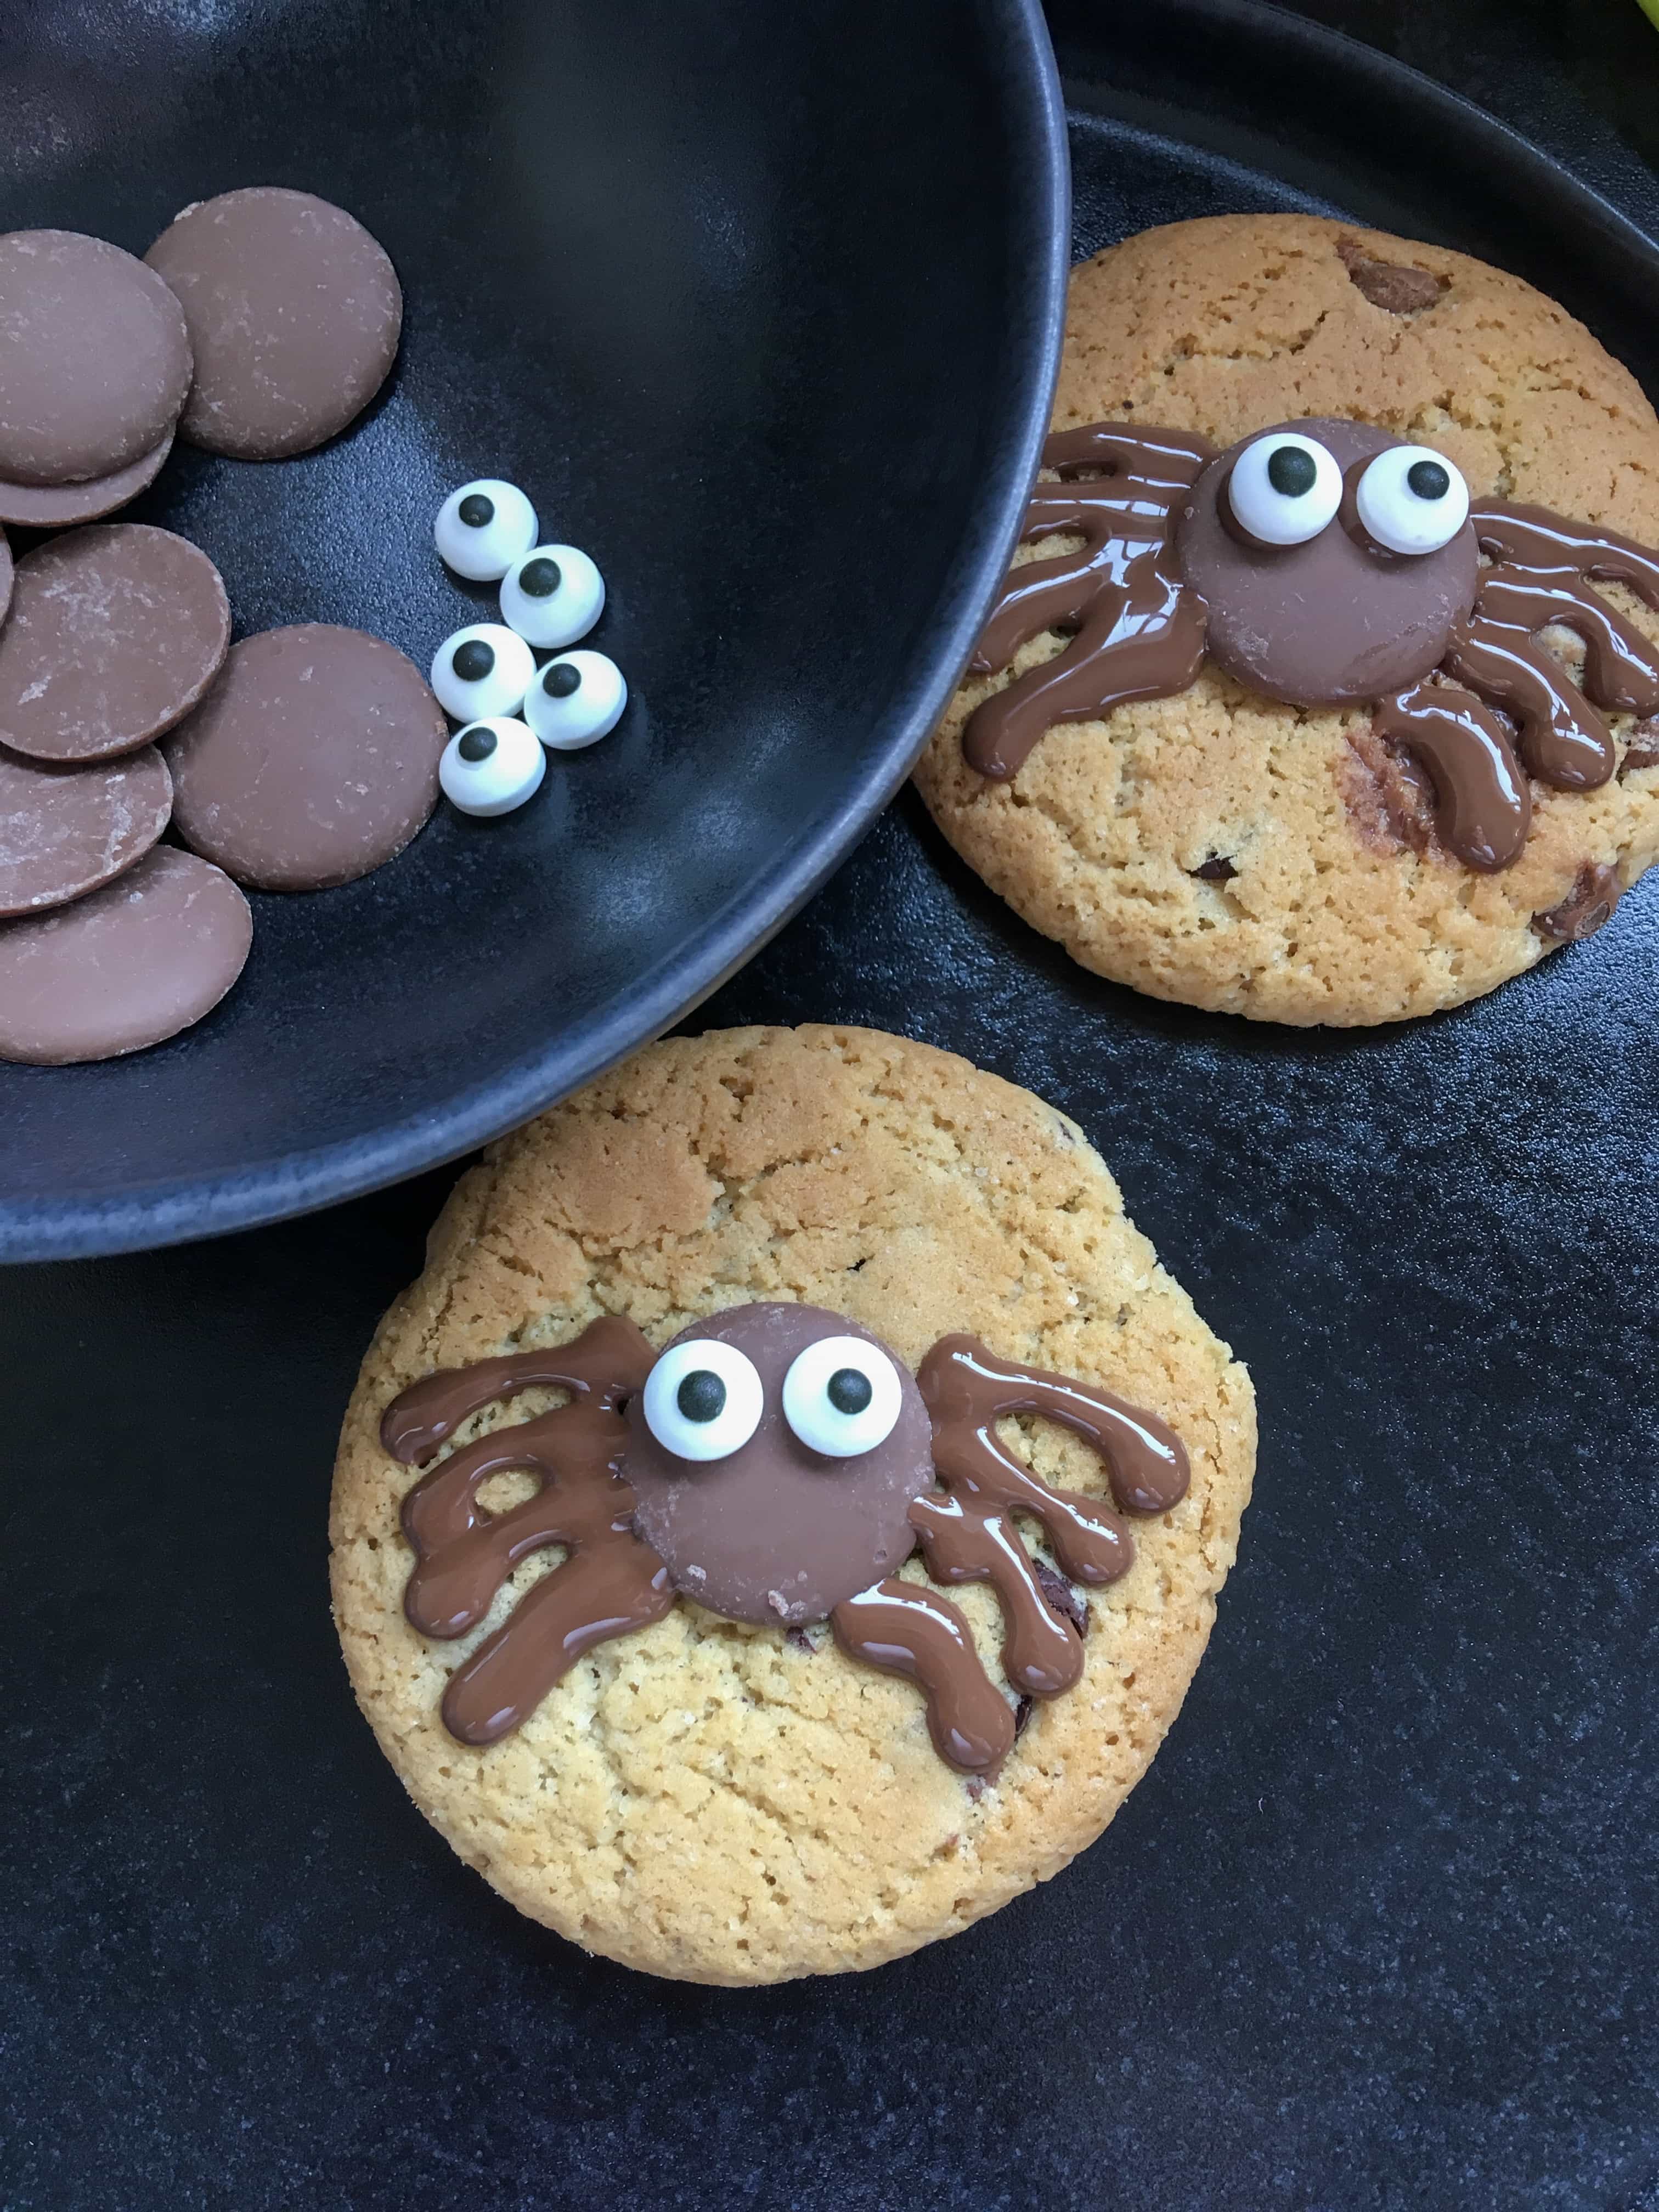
<point x="260" y="325"/>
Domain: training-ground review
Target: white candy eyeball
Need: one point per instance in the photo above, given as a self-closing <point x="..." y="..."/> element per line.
<point x="483" y="528"/>
<point x="575" y="700"/>
<point x="704" y="1399"/>
<point x="553" y="596"/>
<point x="1412" y="500"/>
<point x="841" y="1396"/>
<point x="482" y="672"/>
<point x="490" y="767"/>
<point x="1284" y="489"/>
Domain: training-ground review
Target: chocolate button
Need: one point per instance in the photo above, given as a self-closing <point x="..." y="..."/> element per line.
<point x="94" y="360"/>
<point x="774" y="1531"/>
<point x="124" y="967"/>
<point x="65" y="831"/>
<point x="115" y="632"/>
<point x="294" y="314"/>
<point x="57" y="507"/>
<point x="313" y="758"/>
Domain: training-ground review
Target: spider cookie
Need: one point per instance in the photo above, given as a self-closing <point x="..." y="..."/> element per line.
<point x="1324" y="687"/>
<point x="782" y="1522"/>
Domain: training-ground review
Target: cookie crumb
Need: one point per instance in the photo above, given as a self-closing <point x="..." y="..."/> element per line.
<point x="1393" y="286"/>
<point x="1590" y="903"/>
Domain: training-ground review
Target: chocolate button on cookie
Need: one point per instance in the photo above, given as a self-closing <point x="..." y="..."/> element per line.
<point x="95" y="359"/>
<point x="124" y="967"/>
<point x="313" y="759"/>
<point x="114" y="633"/>
<point x="854" y="1577"/>
<point x="294" y="314"/>
<point x="65" y="831"/>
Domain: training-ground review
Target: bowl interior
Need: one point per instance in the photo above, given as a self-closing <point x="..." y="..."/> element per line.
<point x="756" y="305"/>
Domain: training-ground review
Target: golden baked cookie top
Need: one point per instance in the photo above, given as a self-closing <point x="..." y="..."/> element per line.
<point x="673" y="1672"/>
<point x="1304" y="489"/>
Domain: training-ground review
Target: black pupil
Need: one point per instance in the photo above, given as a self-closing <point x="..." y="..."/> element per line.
<point x="1428" y="479"/>
<point x="473" y="661"/>
<point x="561" y="680"/>
<point x="848" y="1391"/>
<point x="475" y="510"/>
<point x="476" y="744"/>
<point x="1291" y="470"/>
<point x="702" y="1395"/>
<point x="540" y="579"/>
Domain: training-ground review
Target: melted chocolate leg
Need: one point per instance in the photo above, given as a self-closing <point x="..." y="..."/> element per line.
<point x="1562" y="740"/>
<point x="601" y="1592"/>
<point x="1485" y="806"/>
<point x="1041" y="1655"/>
<point x="905" y="1630"/>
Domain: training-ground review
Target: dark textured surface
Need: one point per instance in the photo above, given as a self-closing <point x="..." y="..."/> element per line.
<point x="751" y="302"/>
<point x="1378" y="1929"/>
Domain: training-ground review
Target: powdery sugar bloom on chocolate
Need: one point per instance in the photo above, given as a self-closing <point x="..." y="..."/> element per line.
<point x="313" y="759"/>
<point x="124" y="967"/>
<point x="95" y="359"/>
<point x="791" y="1520"/>
<point x="1462" y="684"/>
<point x="115" y="633"/>
<point x="63" y="831"/>
<point x="293" y="313"/>
<point x="59" y="506"/>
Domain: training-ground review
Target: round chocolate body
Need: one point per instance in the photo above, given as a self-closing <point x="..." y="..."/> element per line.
<point x="294" y="312"/>
<point x="313" y="758"/>
<point x="95" y="360"/>
<point x="1331" y="621"/>
<point x="124" y="967"/>
<point x="116" y="633"/>
<point x="776" y="1532"/>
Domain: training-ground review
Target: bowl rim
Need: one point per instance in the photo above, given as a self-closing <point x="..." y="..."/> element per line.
<point x="1021" y="62"/>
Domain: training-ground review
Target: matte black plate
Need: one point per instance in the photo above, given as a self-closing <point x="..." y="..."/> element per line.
<point x="1376" y="1931"/>
<point x="752" y="304"/>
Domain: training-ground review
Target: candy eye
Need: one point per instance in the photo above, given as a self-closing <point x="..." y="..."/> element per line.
<point x="482" y="672"/>
<point x="553" y="596"/>
<point x="704" y="1399"/>
<point x="483" y="528"/>
<point x="490" y="767"/>
<point x="841" y="1396"/>
<point x="1412" y="500"/>
<point x="575" y="700"/>
<point x="1284" y="489"/>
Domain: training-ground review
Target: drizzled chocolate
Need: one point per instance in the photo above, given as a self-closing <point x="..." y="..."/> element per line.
<point x="1468" y="691"/>
<point x="1136" y="631"/>
<point x="781" y="1522"/>
<point x="609" y="1583"/>
<point x="969" y="1534"/>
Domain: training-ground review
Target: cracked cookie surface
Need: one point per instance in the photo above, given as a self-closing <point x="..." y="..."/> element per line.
<point x="736" y="1804"/>
<point x="1231" y="853"/>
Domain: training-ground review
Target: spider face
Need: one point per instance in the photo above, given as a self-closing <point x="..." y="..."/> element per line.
<point x="773" y="1454"/>
<point x="1333" y="559"/>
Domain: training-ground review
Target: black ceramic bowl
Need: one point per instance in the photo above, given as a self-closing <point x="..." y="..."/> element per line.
<point x="761" y="305"/>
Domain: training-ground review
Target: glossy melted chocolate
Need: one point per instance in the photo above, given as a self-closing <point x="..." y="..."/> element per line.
<point x="1499" y="707"/>
<point x="969" y="1534"/>
<point x="613" y="1581"/>
<point x="1139" y="631"/>
<point x="610" y="1582"/>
